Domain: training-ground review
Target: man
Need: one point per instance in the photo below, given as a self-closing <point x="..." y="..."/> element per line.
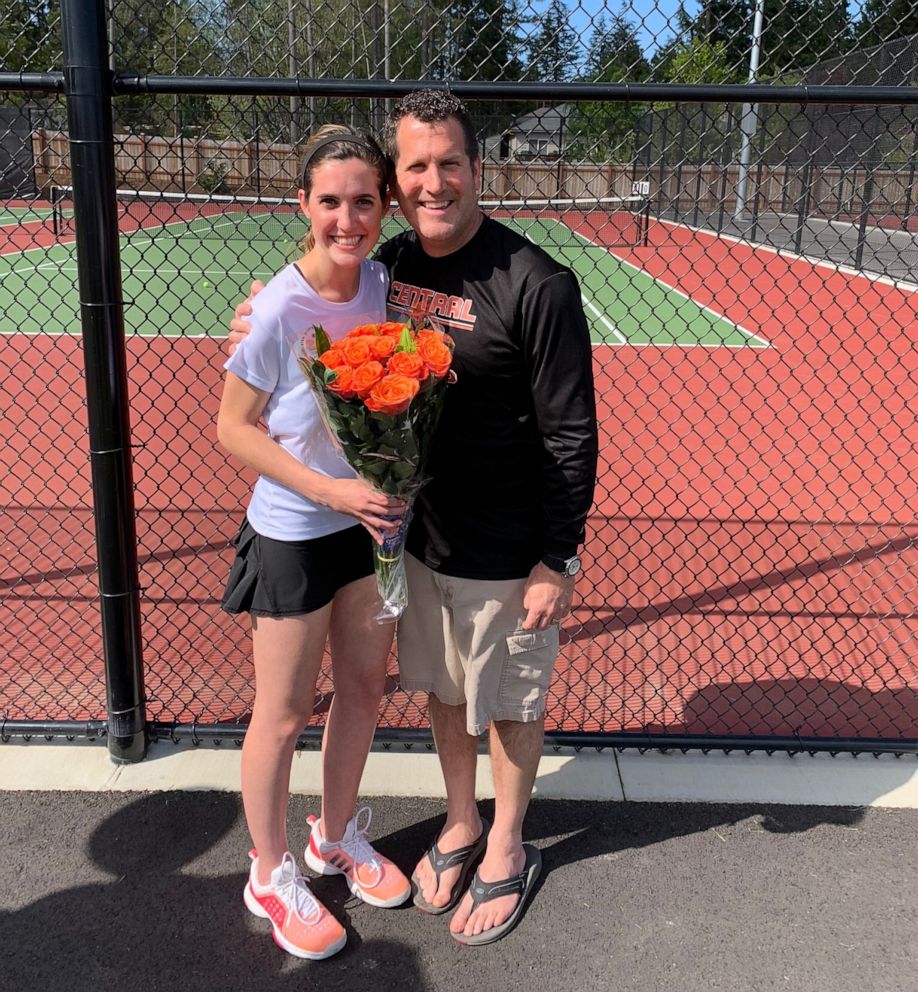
<point x="493" y="545"/>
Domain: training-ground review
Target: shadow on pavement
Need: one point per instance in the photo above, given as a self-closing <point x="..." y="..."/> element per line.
<point x="151" y="926"/>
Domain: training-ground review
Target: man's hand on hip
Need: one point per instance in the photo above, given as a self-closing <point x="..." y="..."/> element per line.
<point x="547" y="597"/>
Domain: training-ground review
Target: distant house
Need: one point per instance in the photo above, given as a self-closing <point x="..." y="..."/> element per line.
<point x="537" y="135"/>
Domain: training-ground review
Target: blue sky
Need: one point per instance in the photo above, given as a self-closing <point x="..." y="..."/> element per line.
<point x="652" y="17"/>
<point x="655" y="19"/>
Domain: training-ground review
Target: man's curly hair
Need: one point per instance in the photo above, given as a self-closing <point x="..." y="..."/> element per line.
<point x="430" y="107"/>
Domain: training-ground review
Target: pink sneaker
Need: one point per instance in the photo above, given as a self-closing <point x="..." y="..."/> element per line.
<point x="370" y="876"/>
<point x="302" y="926"/>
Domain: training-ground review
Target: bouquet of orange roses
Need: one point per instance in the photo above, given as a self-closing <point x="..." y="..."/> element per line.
<point x="380" y="389"/>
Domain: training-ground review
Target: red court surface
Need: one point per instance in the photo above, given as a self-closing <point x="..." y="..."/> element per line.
<point x="752" y="562"/>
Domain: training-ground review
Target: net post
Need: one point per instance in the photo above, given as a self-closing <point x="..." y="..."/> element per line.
<point x="762" y="128"/>
<point x="55" y="221"/>
<point x="865" y="216"/>
<point x="909" y="193"/>
<point x="803" y="203"/>
<point x="88" y="89"/>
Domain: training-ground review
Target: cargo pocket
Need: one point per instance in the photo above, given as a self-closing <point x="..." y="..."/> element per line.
<point x="527" y="668"/>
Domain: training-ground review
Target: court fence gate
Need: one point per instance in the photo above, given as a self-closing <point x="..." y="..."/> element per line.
<point x="751" y="570"/>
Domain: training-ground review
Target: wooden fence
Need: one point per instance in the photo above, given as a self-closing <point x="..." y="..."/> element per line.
<point x="206" y="165"/>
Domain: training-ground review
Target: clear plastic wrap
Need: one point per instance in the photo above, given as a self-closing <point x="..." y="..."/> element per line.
<point x="380" y="391"/>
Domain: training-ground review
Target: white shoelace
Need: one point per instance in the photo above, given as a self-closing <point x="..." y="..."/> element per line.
<point x="293" y="890"/>
<point x="357" y="845"/>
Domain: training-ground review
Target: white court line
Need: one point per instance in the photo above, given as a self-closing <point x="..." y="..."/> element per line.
<point x="590" y="305"/>
<point x="131" y="270"/>
<point x="77" y="332"/>
<point x="57" y="243"/>
<point x="32" y="267"/>
<point x="819" y="263"/>
<point x="605" y="320"/>
<point x="685" y="296"/>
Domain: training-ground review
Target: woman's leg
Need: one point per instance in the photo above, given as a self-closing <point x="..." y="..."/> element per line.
<point x="360" y="649"/>
<point x="288" y="652"/>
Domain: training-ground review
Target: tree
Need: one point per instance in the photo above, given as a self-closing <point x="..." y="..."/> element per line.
<point x="29" y="36"/>
<point x="799" y="33"/>
<point x="882" y="20"/>
<point x="688" y="132"/>
<point x="701" y="61"/>
<point x="729" y="24"/>
<point x="552" y="50"/>
<point x="795" y="34"/>
<point x="605" y="131"/>
<point x="150" y="38"/>
<point x="486" y="40"/>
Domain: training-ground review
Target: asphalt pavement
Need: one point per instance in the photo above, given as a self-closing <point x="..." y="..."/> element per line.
<point x="142" y="891"/>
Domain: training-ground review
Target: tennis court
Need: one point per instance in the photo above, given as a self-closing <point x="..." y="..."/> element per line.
<point x="751" y="519"/>
<point x="188" y="260"/>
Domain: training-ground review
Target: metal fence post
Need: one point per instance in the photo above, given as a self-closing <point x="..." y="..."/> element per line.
<point x="88" y="87"/>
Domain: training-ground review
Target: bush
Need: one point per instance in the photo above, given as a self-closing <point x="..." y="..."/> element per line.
<point x="213" y="178"/>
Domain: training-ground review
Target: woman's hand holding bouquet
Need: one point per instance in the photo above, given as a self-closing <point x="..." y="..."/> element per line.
<point x="358" y="499"/>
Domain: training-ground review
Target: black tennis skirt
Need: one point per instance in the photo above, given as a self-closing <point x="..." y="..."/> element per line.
<point x="272" y="578"/>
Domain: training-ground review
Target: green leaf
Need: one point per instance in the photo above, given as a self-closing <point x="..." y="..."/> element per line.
<point x="406" y="341"/>
<point x="322" y="342"/>
<point x="383" y="420"/>
<point x="323" y="375"/>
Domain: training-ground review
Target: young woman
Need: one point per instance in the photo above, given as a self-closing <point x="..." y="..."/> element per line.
<point x="304" y="568"/>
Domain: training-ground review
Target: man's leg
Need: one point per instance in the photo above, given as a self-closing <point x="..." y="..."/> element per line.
<point x="458" y="754"/>
<point x="515" y="752"/>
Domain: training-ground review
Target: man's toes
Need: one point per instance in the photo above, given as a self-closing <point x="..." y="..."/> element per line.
<point x="443" y="893"/>
<point x="461" y="917"/>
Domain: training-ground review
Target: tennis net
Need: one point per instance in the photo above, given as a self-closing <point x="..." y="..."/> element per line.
<point x="610" y="220"/>
<point x="192" y="214"/>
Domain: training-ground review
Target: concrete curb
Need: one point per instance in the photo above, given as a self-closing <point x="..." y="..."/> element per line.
<point x="563" y="774"/>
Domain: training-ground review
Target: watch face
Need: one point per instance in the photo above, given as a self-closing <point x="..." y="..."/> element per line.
<point x="573" y="565"/>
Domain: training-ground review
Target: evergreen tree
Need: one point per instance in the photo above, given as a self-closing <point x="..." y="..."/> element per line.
<point x="882" y="20"/>
<point x="605" y="131"/>
<point x="800" y="33"/>
<point x="552" y="49"/>
<point x="486" y="39"/>
<point x="29" y="37"/>
<point x="729" y="23"/>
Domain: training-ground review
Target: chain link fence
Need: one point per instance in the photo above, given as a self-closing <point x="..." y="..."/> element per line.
<point x="748" y="270"/>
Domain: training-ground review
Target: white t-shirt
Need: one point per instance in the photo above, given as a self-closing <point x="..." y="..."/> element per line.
<point x="286" y="309"/>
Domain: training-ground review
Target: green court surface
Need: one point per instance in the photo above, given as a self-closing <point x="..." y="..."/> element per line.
<point x="180" y="284"/>
<point x="22" y="215"/>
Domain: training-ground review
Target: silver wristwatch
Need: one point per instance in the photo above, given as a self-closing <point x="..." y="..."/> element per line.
<point x="566" y="566"/>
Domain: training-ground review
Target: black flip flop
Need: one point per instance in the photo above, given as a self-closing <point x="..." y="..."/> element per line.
<point x="521" y="885"/>
<point x="440" y="862"/>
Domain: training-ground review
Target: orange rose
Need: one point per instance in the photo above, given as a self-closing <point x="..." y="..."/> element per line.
<point x="343" y="384"/>
<point x="365" y="377"/>
<point x="408" y="363"/>
<point x="392" y="327"/>
<point x="333" y="358"/>
<point x="393" y="394"/>
<point x="429" y="334"/>
<point x="437" y="357"/>
<point x="382" y="346"/>
<point x="356" y="351"/>
<point x="365" y="330"/>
